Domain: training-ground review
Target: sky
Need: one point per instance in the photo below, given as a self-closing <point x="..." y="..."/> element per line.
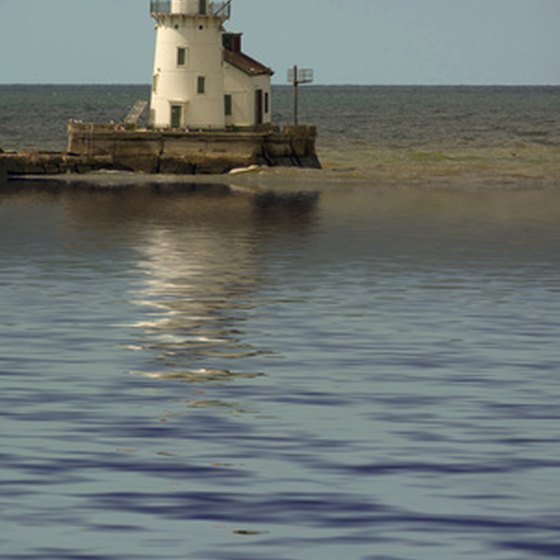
<point x="381" y="42"/>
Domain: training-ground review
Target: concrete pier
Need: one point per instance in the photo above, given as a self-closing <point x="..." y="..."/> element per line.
<point x="93" y="147"/>
<point x="194" y="152"/>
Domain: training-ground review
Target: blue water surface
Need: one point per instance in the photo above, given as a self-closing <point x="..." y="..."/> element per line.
<point x="374" y="375"/>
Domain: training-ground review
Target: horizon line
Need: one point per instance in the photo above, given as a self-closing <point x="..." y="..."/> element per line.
<point x="284" y="85"/>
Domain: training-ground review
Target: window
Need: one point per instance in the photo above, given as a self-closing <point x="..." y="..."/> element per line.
<point x="155" y="83"/>
<point x="267" y="103"/>
<point x="201" y="84"/>
<point x="181" y="56"/>
<point x="228" y="105"/>
<point x="202" y="7"/>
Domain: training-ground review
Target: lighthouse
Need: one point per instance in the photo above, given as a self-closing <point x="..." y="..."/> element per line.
<point x="210" y="107"/>
<point x="202" y="80"/>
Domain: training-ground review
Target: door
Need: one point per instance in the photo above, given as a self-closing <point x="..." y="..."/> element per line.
<point x="176" y="116"/>
<point x="259" y="105"/>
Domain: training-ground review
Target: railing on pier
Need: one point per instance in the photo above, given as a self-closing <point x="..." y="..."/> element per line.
<point x="217" y="9"/>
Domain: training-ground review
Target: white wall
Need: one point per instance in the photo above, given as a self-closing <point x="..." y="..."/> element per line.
<point x="201" y="37"/>
<point x="176" y="85"/>
<point x="242" y="88"/>
<point x="187" y="7"/>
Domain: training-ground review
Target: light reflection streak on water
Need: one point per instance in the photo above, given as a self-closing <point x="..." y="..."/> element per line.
<point x="198" y="281"/>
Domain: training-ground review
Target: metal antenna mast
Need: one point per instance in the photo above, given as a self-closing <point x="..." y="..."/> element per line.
<point x="299" y="76"/>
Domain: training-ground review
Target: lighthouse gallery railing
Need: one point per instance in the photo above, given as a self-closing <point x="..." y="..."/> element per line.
<point x="160" y="6"/>
<point x="222" y="9"/>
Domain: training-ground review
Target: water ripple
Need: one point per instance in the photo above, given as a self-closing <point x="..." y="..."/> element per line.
<point x="372" y="377"/>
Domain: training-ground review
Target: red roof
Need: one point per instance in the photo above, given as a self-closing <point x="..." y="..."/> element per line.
<point x="246" y="64"/>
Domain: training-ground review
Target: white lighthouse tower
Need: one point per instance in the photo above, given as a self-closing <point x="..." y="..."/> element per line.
<point x="188" y="83"/>
<point x="202" y="80"/>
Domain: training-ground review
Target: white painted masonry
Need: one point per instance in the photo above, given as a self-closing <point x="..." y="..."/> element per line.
<point x="192" y="81"/>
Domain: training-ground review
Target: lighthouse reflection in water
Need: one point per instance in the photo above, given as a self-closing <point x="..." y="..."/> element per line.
<point x="201" y="277"/>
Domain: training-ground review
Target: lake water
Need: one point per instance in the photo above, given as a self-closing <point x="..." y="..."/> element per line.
<point x="205" y="373"/>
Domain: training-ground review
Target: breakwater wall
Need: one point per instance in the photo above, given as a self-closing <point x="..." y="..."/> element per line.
<point x="94" y="147"/>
